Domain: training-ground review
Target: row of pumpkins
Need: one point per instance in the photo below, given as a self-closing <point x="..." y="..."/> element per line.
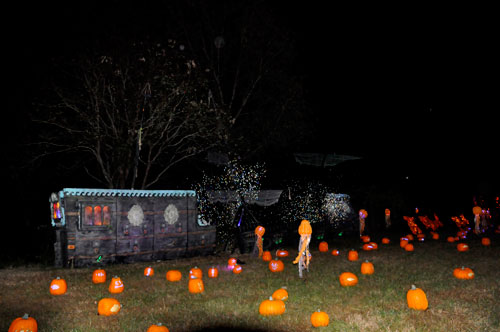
<point x="275" y="305"/>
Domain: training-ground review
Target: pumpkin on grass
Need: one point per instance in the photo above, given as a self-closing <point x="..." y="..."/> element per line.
<point x="323" y="246"/>
<point x="149" y="272"/>
<point x="213" y="272"/>
<point x="276" y="265"/>
<point x="416" y="299"/>
<point x="195" y="273"/>
<point x="280" y="294"/>
<point x="386" y="240"/>
<point x="335" y="252"/>
<point x="465" y="273"/>
<point x="485" y="241"/>
<point x="99" y="276"/>
<point x="409" y="247"/>
<point x="196" y="286"/>
<point x="266" y="256"/>
<point x="462" y="247"/>
<point x="108" y="307"/>
<point x="320" y="318"/>
<point x="173" y="275"/>
<point x="157" y="328"/>
<point x="348" y="279"/>
<point x="116" y="285"/>
<point x="58" y="286"/>
<point x="271" y="307"/>
<point x="352" y="255"/>
<point x="25" y="323"/>
<point x="282" y="253"/>
<point x="367" y="268"/>
<point x="237" y="269"/>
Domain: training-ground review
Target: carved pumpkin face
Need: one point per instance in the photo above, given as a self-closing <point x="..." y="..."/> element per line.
<point x="276" y="265"/>
<point x="99" y="276"/>
<point x="213" y="272"/>
<point x="320" y="318"/>
<point x="174" y="275"/>
<point x="58" y="286"/>
<point x="281" y="253"/>
<point x="195" y="273"/>
<point x="271" y="307"/>
<point x="116" y="285"/>
<point x="24" y="323"/>
<point x="108" y="307"/>
<point x="416" y="299"/>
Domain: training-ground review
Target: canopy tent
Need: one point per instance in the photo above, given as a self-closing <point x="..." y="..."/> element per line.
<point x="322" y="159"/>
<point x="264" y="198"/>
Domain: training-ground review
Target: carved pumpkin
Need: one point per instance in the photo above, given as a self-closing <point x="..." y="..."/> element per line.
<point x="280" y="294"/>
<point x="58" y="286"/>
<point x="195" y="273"/>
<point x="271" y="307"/>
<point x="462" y="247"/>
<point x="323" y="246"/>
<point x="196" y="286"/>
<point x="320" y="318"/>
<point x="409" y="247"/>
<point x="276" y="265"/>
<point x="24" y="323"/>
<point x="367" y="268"/>
<point x="416" y="299"/>
<point x="266" y="256"/>
<point x="157" y="328"/>
<point x="335" y="252"/>
<point x="367" y="247"/>
<point x="374" y="245"/>
<point x="99" y="276"/>
<point x="108" y="307"/>
<point x="173" y="275"/>
<point x="237" y="269"/>
<point x="386" y="240"/>
<point x="463" y="273"/>
<point x="352" y="255"/>
<point x="213" y="272"/>
<point x="348" y="279"/>
<point x="282" y="253"/>
<point x="149" y="272"/>
<point x="116" y="285"/>
<point x="305" y="228"/>
<point x="485" y="241"/>
<point x="231" y="261"/>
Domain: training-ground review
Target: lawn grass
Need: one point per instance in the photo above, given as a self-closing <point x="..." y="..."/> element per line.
<point x="376" y="303"/>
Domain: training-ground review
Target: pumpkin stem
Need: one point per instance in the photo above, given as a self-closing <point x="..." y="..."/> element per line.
<point x="25" y="316"/>
<point x="413" y="287"/>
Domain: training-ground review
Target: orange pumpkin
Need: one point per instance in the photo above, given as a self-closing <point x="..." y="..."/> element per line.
<point x="173" y="275"/>
<point x="485" y="241"/>
<point x="231" y="261"/>
<point x="320" y="318"/>
<point x="348" y="279"/>
<point x="416" y="299"/>
<point x="157" y="328"/>
<point x="99" y="276"/>
<point x="476" y="210"/>
<point x="305" y="228"/>
<point x="237" y="269"/>
<point x="335" y="252"/>
<point x="386" y="240"/>
<point x="367" y="268"/>
<point x="213" y="272"/>
<point x="367" y="247"/>
<point x="276" y="265"/>
<point x="116" y="285"/>
<point x="259" y="230"/>
<point x="463" y="273"/>
<point x="435" y="236"/>
<point x="195" y="273"/>
<point x="108" y="307"/>
<point x="403" y="243"/>
<point x="323" y="246"/>
<point x="281" y="253"/>
<point x="266" y="256"/>
<point x="374" y="245"/>
<point x="409" y="247"/>
<point x="352" y="255"/>
<point x="410" y="237"/>
<point x="25" y="323"/>
<point x="462" y="247"/>
<point x="363" y="213"/>
<point x="280" y="294"/>
<point x="365" y="238"/>
<point x="149" y="272"/>
<point x="196" y="286"/>
<point x="450" y="239"/>
<point x="58" y="286"/>
<point x="271" y="307"/>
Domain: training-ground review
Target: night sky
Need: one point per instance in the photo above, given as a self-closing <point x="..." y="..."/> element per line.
<point x="412" y="89"/>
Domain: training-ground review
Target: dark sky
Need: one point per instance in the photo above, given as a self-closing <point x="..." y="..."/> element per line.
<point x="413" y="86"/>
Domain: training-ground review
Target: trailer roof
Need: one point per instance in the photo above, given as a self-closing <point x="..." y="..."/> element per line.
<point x="125" y="192"/>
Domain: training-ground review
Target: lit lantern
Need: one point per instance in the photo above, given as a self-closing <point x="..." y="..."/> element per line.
<point x="362" y="216"/>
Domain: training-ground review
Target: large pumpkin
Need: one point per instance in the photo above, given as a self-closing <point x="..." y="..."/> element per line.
<point x="108" y="307"/>
<point x="276" y="265"/>
<point x="352" y="255"/>
<point x="271" y="307"/>
<point x="416" y="299"/>
<point x="196" y="286"/>
<point x="323" y="246"/>
<point x="280" y="294"/>
<point x="116" y="285"/>
<point x="463" y="273"/>
<point x="157" y="328"/>
<point x="367" y="268"/>
<point x="348" y="279"/>
<point x="58" y="286"/>
<point x="25" y="323"/>
<point x="173" y="275"/>
<point x="320" y="318"/>
<point x="99" y="276"/>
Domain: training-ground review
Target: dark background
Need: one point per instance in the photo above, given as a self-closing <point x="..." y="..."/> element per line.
<point x="413" y="90"/>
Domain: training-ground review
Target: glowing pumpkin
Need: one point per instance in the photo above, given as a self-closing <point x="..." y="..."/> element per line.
<point x="58" y="286"/>
<point x="116" y="285"/>
<point x="282" y="253"/>
<point x="237" y="269"/>
<point x="99" y="276"/>
<point x="276" y="265"/>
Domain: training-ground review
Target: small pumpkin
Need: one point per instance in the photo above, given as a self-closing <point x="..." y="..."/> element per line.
<point x="352" y="255"/>
<point x="367" y="247"/>
<point x="213" y="272"/>
<point x="335" y="252"/>
<point x="231" y="261"/>
<point x="485" y="241"/>
<point x="450" y="239"/>
<point x="276" y="265"/>
<point x="99" y="276"/>
<point x="116" y="285"/>
<point x="323" y="246"/>
<point x="282" y="253"/>
<point x="416" y="299"/>
<point x="237" y="269"/>
<point x="435" y="236"/>
<point x="24" y="323"/>
<point x="410" y="237"/>
<point x="266" y="256"/>
<point x="271" y="307"/>
<point x="365" y="238"/>
<point x="195" y="273"/>
<point x="367" y="268"/>
<point x="386" y="240"/>
<point x="196" y="286"/>
<point x="463" y="273"/>
<point x="348" y="279"/>
<point x="280" y="294"/>
<point x="149" y="271"/>
<point x="157" y="328"/>
<point x="108" y="306"/>
<point x="409" y="247"/>
<point x="403" y="243"/>
<point x="173" y="275"/>
<point x="58" y="286"/>
<point x="462" y="247"/>
<point x="373" y="244"/>
<point x="320" y="318"/>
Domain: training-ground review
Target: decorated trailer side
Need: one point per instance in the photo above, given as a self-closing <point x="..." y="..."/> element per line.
<point x="99" y="226"/>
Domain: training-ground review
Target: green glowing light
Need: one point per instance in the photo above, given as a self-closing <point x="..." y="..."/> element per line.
<point x="99" y="258"/>
<point x="340" y="234"/>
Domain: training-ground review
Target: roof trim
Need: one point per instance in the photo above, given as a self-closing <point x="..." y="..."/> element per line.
<point x="125" y="192"/>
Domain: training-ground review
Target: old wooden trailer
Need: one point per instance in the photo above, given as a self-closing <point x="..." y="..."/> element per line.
<point x="99" y="226"/>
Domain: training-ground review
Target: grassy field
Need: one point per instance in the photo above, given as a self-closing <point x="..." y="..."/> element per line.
<point x="231" y="302"/>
